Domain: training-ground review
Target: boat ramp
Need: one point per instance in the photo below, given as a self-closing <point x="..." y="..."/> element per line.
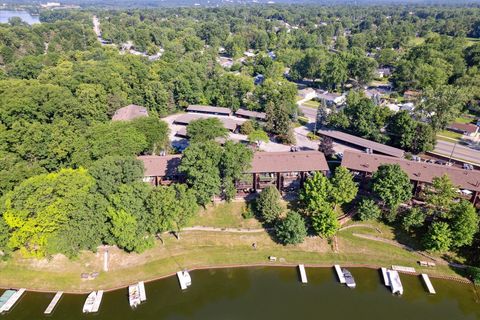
<point x="54" y="302"/>
<point x="428" y="283"/>
<point x="303" y="274"/>
<point x="9" y="298"/>
<point x="340" y="275"/>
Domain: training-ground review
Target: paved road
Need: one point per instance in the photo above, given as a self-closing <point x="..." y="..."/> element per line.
<point x="460" y="152"/>
<point x="310" y="113"/>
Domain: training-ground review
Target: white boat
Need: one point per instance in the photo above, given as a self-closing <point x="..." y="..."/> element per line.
<point x="89" y="302"/>
<point x="349" y="280"/>
<point x="395" y="283"/>
<point x="134" y="295"/>
<point x="184" y="279"/>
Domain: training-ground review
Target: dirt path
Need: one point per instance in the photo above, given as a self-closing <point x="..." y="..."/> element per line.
<point x="213" y="229"/>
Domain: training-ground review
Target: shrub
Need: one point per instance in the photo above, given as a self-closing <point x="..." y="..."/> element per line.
<point x="368" y="210"/>
<point x="291" y="229"/>
<point x="268" y="204"/>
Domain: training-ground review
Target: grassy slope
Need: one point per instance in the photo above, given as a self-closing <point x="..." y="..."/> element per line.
<point x="196" y="249"/>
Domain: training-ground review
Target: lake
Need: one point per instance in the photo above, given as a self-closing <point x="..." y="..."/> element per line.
<point x="269" y="293"/>
<point x="24" y="15"/>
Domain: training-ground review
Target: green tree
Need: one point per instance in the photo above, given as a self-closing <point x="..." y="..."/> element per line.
<point x="206" y="129"/>
<point x="440" y="195"/>
<point x="247" y="127"/>
<point x="413" y="218"/>
<point x="291" y="229"/>
<point x="316" y="192"/>
<point x="155" y="132"/>
<point x="258" y="136"/>
<point x="200" y="165"/>
<point x="268" y="204"/>
<point x="464" y="223"/>
<point x="392" y="185"/>
<point x="236" y="159"/>
<point x="325" y="222"/>
<point x="38" y="208"/>
<point x="438" y="237"/>
<point x="368" y="210"/>
<point x="344" y="189"/>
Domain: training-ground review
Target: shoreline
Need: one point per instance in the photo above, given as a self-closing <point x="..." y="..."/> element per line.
<point x="248" y="265"/>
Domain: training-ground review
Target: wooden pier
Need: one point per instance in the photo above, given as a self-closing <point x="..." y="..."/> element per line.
<point x="303" y="274"/>
<point x="12" y="300"/>
<point x="386" y="280"/>
<point x="54" y="302"/>
<point x="141" y="289"/>
<point x="98" y="301"/>
<point x="340" y="275"/>
<point x="403" y="269"/>
<point x="428" y="283"/>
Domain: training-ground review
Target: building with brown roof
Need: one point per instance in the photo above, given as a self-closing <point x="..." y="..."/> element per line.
<point x="209" y="110"/>
<point x="243" y="113"/>
<point x="362" y="143"/>
<point x="285" y="170"/>
<point x="418" y="172"/>
<point x="467" y="129"/>
<point x="130" y="112"/>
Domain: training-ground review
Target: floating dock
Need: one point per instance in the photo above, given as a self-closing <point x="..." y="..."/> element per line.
<point x="98" y="301"/>
<point x="5" y="297"/>
<point x="184" y="279"/>
<point x="386" y="281"/>
<point x="134" y="295"/>
<point x="10" y="302"/>
<point x="428" y="283"/>
<point x="143" y="294"/>
<point x="404" y="269"/>
<point x="340" y="275"/>
<point x="54" y="302"/>
<point x="303" y="274"/>
<point x="395" y="283"/>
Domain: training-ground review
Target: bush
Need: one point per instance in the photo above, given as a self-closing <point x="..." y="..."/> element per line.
<point x="291" y="229"/>
<point x="413" y="218"/>
<point x="312" y="136"/>
<point x="247" y="127"/>
<point x="248" y="212"/>
<point x="474" y="274"/>
<point x="438" y="237"/>
<point x="368" y="210"/>
<point x="268" y="204"/>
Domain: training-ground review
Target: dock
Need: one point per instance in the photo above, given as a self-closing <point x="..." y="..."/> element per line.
<point x="340" y="275"/>
<point x="303" y="274"/>
<point x="53" y="303"/>
<point x="428" y="283"/>
<point x="386" y="280"/>
<point x="143" y="294"/>
<point x="12" y="300"/>
<point x="98" y="301"/>
<point x="404" y="269"/>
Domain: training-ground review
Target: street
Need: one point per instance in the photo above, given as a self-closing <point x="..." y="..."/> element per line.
<point x="460" y="152"/>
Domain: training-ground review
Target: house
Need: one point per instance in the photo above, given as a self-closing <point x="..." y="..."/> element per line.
<point x="409" y="106"/>
<point x="412" y="95"/>
<point x="467" y="129"/>
<point x="209" y="110"/>
<point x="285" y="170"/>
<point x="243" y="113"/>
<point x="383" y="72"/>
<point x="307" y="94"/>
<point x="332" y="99"/>
<point x="225" y="62"/>
<point x="130" y="112"/>
<point x="420" y="173"/>
<point x="362" y="143"/>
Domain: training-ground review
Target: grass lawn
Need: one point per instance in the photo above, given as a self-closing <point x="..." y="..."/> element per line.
<point x="224" y="216"/>
<point x="464" y="119"/>
<point x="204" y="249"/>
<point x="449" y="134"/>
<point x="311" y="104"/>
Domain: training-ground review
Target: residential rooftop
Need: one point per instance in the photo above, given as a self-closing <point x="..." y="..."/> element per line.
<point x="209" y="109"/>
<point x="161" y="166"/>
<point x="364" y="143"/>
<point x="416" y="171"/>
<point x="251" y="114"/>
<point x="229" y="124"/>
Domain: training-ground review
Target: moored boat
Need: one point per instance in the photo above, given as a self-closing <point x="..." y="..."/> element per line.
<point x="134" y="295"/>
<point x="89" y="302"/>
<point x="184" y="279"/>
<point x="349" y="280"/>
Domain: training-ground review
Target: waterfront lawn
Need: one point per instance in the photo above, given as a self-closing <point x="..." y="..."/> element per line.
<point x="204" y="249"/>
<point x="224" y="215"/>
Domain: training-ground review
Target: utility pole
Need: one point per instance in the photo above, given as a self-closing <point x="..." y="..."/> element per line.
<point x="451" y="154"/>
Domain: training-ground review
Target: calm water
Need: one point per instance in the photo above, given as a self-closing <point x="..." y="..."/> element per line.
<point x="270" y="293"/>
<point x="24" y="15"/>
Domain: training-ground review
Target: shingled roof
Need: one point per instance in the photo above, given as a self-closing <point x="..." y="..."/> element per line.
<point x="416" y="171"/>
<point x="209" y="109"/>
<point x="364" y="143"/>
<point x="130" y="112"/>
<point x="251" y="114"/>
<point x="264" y="162"/>
<point x="161" y="166"/>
